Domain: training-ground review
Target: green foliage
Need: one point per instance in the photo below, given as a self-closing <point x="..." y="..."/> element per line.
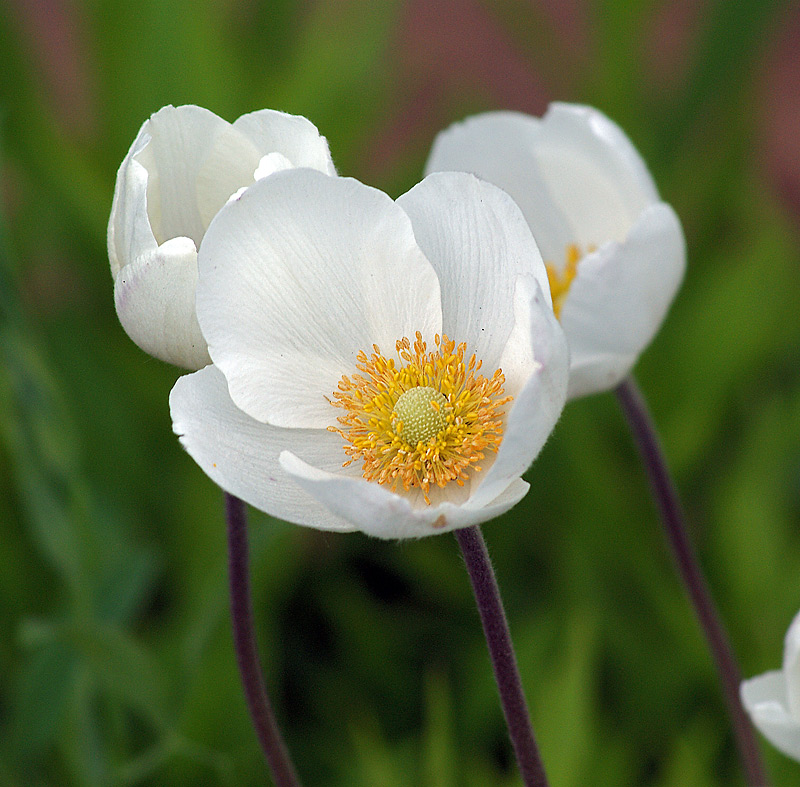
<point x="116" y="665"/>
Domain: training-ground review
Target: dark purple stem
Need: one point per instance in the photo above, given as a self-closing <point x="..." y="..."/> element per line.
<point x="244" y="641"/>
<point x="641" y="424"/>
<point x="501" y="651"/>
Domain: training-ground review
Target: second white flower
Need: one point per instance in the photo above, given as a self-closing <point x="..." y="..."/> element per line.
<point x="615" y="252"/>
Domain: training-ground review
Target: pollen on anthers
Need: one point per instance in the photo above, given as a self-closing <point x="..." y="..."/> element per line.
<point x="561" y="280"/>
<point x="423" y="419"/>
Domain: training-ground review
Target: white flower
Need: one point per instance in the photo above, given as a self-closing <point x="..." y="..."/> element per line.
<point x="183" y="165"/>
<point x="773" y="699"/>
<point x="615" y="252"/>
<point x="323" y="406"/>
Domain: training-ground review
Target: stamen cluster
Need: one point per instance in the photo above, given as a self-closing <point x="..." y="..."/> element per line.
<point x="560" y="281"/>
<point x="465" y="403"/>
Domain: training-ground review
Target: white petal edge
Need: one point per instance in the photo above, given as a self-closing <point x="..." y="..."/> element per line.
<point x="620" y="297"/>
<point x="129" y="231"/>
<point x="499" y="147"/>
<point x="593" y="173"/>
<point x="538" y="350"/>
<point x="247" y="148"/>
<point x="574" y="173"/>
<point x="241" y="454"/>
<point x="376" y="511"/>
<point x="181" y="139"/>
<point x="478" y="242"/>
<point x="791" y="666"/>
<point x="294" y="136"/>
<point x="596" y="372"/>
<point x="271" y="163"/>
<point x="155" y="297"/>
<point x="580" y="126"/>
<point x="764" y="698"/>
<point x="299" y="275"/>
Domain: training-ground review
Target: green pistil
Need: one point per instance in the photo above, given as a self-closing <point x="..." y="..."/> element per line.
<point x="421" y="418"/>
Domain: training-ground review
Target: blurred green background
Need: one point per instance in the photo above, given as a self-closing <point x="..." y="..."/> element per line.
<point x="116" y="664"/>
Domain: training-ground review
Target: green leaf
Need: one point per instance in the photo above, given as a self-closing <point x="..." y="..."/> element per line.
<point x="439" y="746"/>
<point x="40" y="698"/>
<point x="124" y="668"/>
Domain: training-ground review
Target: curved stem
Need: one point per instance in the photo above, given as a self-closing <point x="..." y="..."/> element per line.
<point x="501" y="651"/>
<point x="244" y="640"/>
<point x="644" y="432"/>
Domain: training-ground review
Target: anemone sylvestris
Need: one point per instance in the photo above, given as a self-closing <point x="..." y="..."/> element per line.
<point x="773" y="699"/>
<point x="182" y="167"/>
<point x="615" y="252"/>
<point x="389" y="367"/>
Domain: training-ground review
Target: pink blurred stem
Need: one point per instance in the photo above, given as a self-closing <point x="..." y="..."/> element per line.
<point x="644" y="433"/>
<point x="244" y="639"/>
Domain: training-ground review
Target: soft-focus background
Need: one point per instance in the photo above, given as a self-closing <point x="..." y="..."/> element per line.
<point x="116" y="665"/>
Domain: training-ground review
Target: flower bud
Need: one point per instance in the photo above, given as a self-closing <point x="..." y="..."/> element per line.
<point x="183" y="166"/>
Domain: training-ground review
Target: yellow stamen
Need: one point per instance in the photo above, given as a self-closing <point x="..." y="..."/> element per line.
<point x="561" y="281"/>
<point x="423" y="420"/>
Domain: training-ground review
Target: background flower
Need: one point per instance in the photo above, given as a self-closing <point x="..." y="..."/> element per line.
<point x="615" y="252"/>
<point x="773" y="699"/>
<point x="299" y="275"/>
<point x="183" y="165"/>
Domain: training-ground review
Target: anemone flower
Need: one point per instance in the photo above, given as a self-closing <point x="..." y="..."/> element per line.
<point x="389" y="367"/>
<point x="615" y="252"/>
<point x="773" y="699"/>
<point x="180" y="170"/>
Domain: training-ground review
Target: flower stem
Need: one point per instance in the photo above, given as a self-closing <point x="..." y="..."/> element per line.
<point x="644" y="432"/>
<point x="501" y="651"/>
<point x="244" y="640"/>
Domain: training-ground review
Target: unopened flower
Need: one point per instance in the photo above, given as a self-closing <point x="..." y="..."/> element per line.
<point x="390" y="367"/>
<point x="773" y="699"/>
<point x="615" y="252"/>
<point x="180" y="170"/>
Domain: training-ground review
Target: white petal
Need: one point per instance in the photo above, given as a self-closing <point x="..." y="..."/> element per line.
<point x="500" y="148"/>
<point x="228" y="165"/>
<point x="574" y="173"/>
<point x="478" y="242"/>
<point x="154" y="297"/>
<point x="791" y="666"/>
<point x="619" y="299"/>
<point x="129" y="231"/>
<point x="764" y="698"/>
<point x="594" y="172"/>
<point x="375" y="510"/>
<point x="597" y="371"/>
<point x="181" y="138"/>
<point x="272" y="162"/>
<point x="241" y="454"/>
<point x="538" y="400"/>
<point x="237" y="152"/>
<point x="293" y="136"/>
<point x="297" y="276"/>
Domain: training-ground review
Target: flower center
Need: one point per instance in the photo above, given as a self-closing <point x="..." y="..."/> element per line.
<point x="420" y="414"/>
<point x="561" y="280"/>
<point x="424" y="419"/>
